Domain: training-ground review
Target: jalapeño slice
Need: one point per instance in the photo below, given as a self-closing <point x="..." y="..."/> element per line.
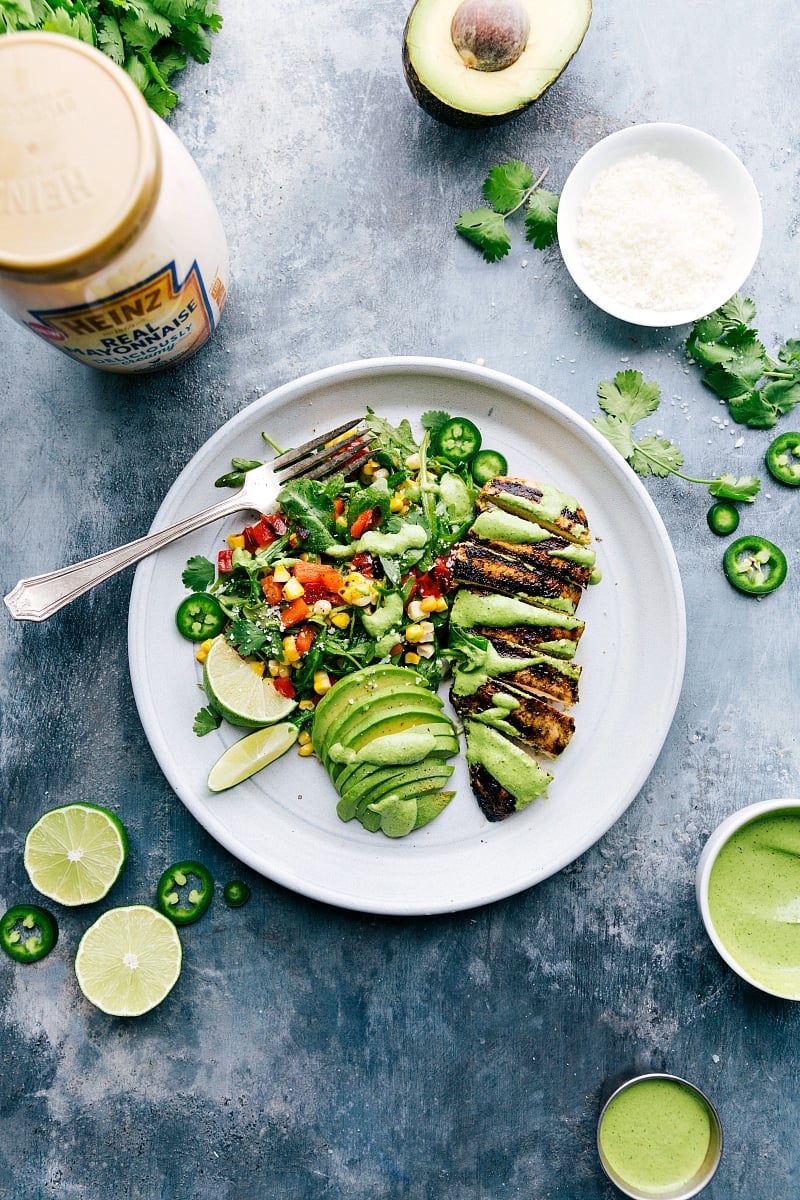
<point x="185" y="891"/>
<point x="488" y="465"/>
<point x="722" y="518"/>
<point x="200" y="616"/>
<point x="783" y="459"/>
<point x="28" y="932"/>
<point x="458" y="440"/>
<point x="754" y="565"/>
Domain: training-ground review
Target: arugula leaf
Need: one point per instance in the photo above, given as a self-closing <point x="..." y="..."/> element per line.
<point x="393" y="444"/>
<point x="198" y="574"/>
<point x="627" y="400"/>
<point x="206" y="720"/>
<point x="757" y="388"/>
<point x="309" y="502"/>
<point x="508" y="188"/>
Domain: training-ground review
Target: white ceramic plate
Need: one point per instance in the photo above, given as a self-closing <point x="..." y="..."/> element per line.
<point x="724" y="173"/>
<point x="282" y="822"/>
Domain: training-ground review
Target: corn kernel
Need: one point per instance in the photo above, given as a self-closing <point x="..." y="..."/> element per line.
<point x="414" y="610"/>
<point x="203" y="649"/>
<point x="413" y="462"/>
<point x="411" y="657"/>
<point x="321" y="608"/>
<point x="341" y="620"/>
<point x="281" y="574"/>
<point x="306" y="750"/>
<point x="284" y="672"/>
<point x="429" y="604"/>
<point x="304" y="738"/>
<point x="396" y="504"/>
<point x="426" y="650"/>
<point x="427" y="631"/>
<point x="273" y="666"/>
<point x="306" y="705"/>
<point x="441" y="605"/>
<point x="370" y="467"/>
<point x="290" y="652"/>
<point x="235" y="541"/>
<point x="257" y="668"/>
<point x="414" y="633"/>
<point x="293" y="590"/>
<point x="322" y="682"/>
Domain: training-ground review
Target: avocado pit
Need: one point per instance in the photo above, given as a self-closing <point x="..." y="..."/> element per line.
<point x="490" y="35"/>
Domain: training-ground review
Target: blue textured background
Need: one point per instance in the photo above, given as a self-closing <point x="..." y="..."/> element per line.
<point x="308" y="1053"/>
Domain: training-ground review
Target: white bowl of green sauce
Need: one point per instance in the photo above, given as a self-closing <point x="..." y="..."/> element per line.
<point x="659" y="1138"/>
<point x="748" y="893"/>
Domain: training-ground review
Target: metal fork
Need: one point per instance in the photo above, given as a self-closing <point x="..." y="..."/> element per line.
<point x="38" y="598"/>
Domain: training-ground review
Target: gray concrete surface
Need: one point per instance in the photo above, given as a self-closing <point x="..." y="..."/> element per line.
<point x="309" y="1053"/>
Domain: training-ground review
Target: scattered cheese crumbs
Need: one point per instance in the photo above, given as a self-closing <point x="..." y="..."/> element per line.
<point x="653" y="234"/>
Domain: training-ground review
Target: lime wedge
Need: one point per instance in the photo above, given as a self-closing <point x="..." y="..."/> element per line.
<point x="242" y="696"/>
<point x="129" y="960"/>
<point x="250" y="754"/>
<point x="74" y="853"/>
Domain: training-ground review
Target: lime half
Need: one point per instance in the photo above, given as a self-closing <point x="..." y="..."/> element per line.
<point x="242" y="696"/>
<point x="74" y="853"/>
<point x="250" y="754"/>
<point x="129" y="960"/>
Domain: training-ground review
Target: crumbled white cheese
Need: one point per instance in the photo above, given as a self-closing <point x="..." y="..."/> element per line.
<point x="653" y="234"/>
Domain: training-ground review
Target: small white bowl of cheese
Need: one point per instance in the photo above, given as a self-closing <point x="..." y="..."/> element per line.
<point x="659" y="224"/>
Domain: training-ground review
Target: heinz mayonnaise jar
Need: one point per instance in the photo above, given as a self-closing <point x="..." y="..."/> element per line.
<point x="111" y="248"/>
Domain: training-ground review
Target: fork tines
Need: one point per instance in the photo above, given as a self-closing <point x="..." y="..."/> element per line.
<point x="327" y="453"/>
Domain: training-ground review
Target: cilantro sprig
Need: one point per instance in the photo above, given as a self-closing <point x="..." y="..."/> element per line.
<point x="625" y="402"/>
<point x="508" y="188"/>
<point x="150" y="39"/>
<point x="757" y="388"/>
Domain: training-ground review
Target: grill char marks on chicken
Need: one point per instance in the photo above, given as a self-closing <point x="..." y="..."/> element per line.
<point x="540" y="503"/>
<point x="545" y="729"/>
<point x="544" y="554"/>
<point x="495" y="802"/>
<point x="478" y="564"/>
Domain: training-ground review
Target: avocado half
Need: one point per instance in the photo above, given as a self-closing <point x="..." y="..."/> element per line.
<point x="461" y="96"/>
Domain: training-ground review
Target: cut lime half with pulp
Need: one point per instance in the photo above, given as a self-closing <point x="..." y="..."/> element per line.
<point x="74" y="853"/>
<point x="242" y="696"/>
<point x="250" y="754"/>
<point x="129" y="960"/>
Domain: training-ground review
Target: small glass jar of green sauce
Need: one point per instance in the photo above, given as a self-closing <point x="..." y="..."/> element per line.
<point x="659" y="1138"/>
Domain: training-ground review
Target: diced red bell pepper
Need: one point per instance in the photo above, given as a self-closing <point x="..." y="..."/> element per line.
<point x="318" y="574"/>
<point x="295" y="612"/>
<point x="368" y="519"/>
<point x="225" y="561"/>
<point x="273" y="591"/>
<point x="305" y="638"/>
<point x="260" y="535"/>
<point x="276" y="523"/>
<point x="284" y="685"/>
<point x="338" y="506"/>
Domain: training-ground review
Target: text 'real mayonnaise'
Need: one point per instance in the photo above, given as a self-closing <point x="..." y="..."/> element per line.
<point x="111" y="247"/>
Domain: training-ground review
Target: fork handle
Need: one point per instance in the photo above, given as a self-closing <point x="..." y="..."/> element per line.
<point x="37" y="598"/>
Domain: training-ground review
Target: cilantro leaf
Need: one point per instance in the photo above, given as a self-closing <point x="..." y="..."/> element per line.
<point x="207" y="720"/>
<point x="434" y="420"/>
<point x="627" y="400"/>
<point x="246" y="636"/>
<point x="487" y="230"/>
<point x="394" y="442"/>
<point x="309" y="502"/>
<point x="541" y="219"/>
<point x="506" y="186"/>
<point x="198" y="574"/>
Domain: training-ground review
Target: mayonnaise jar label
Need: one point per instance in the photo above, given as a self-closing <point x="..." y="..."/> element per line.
<point x="154" y="323"/>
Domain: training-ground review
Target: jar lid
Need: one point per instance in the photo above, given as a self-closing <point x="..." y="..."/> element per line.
<point x="80" y="164"/>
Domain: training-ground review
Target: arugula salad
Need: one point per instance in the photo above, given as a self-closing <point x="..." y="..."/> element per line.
<point x="346" y="572"/>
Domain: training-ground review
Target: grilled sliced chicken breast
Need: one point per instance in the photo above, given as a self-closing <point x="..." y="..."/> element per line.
<point x="548" y="556"/>
<point x="538" y="502"/>
<point x="504" y="775"/>
<point x="527" y="640"/>
<point x="518" y="714"/>
<point x="479" y="564"/>
<point x="495" y="802"/>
